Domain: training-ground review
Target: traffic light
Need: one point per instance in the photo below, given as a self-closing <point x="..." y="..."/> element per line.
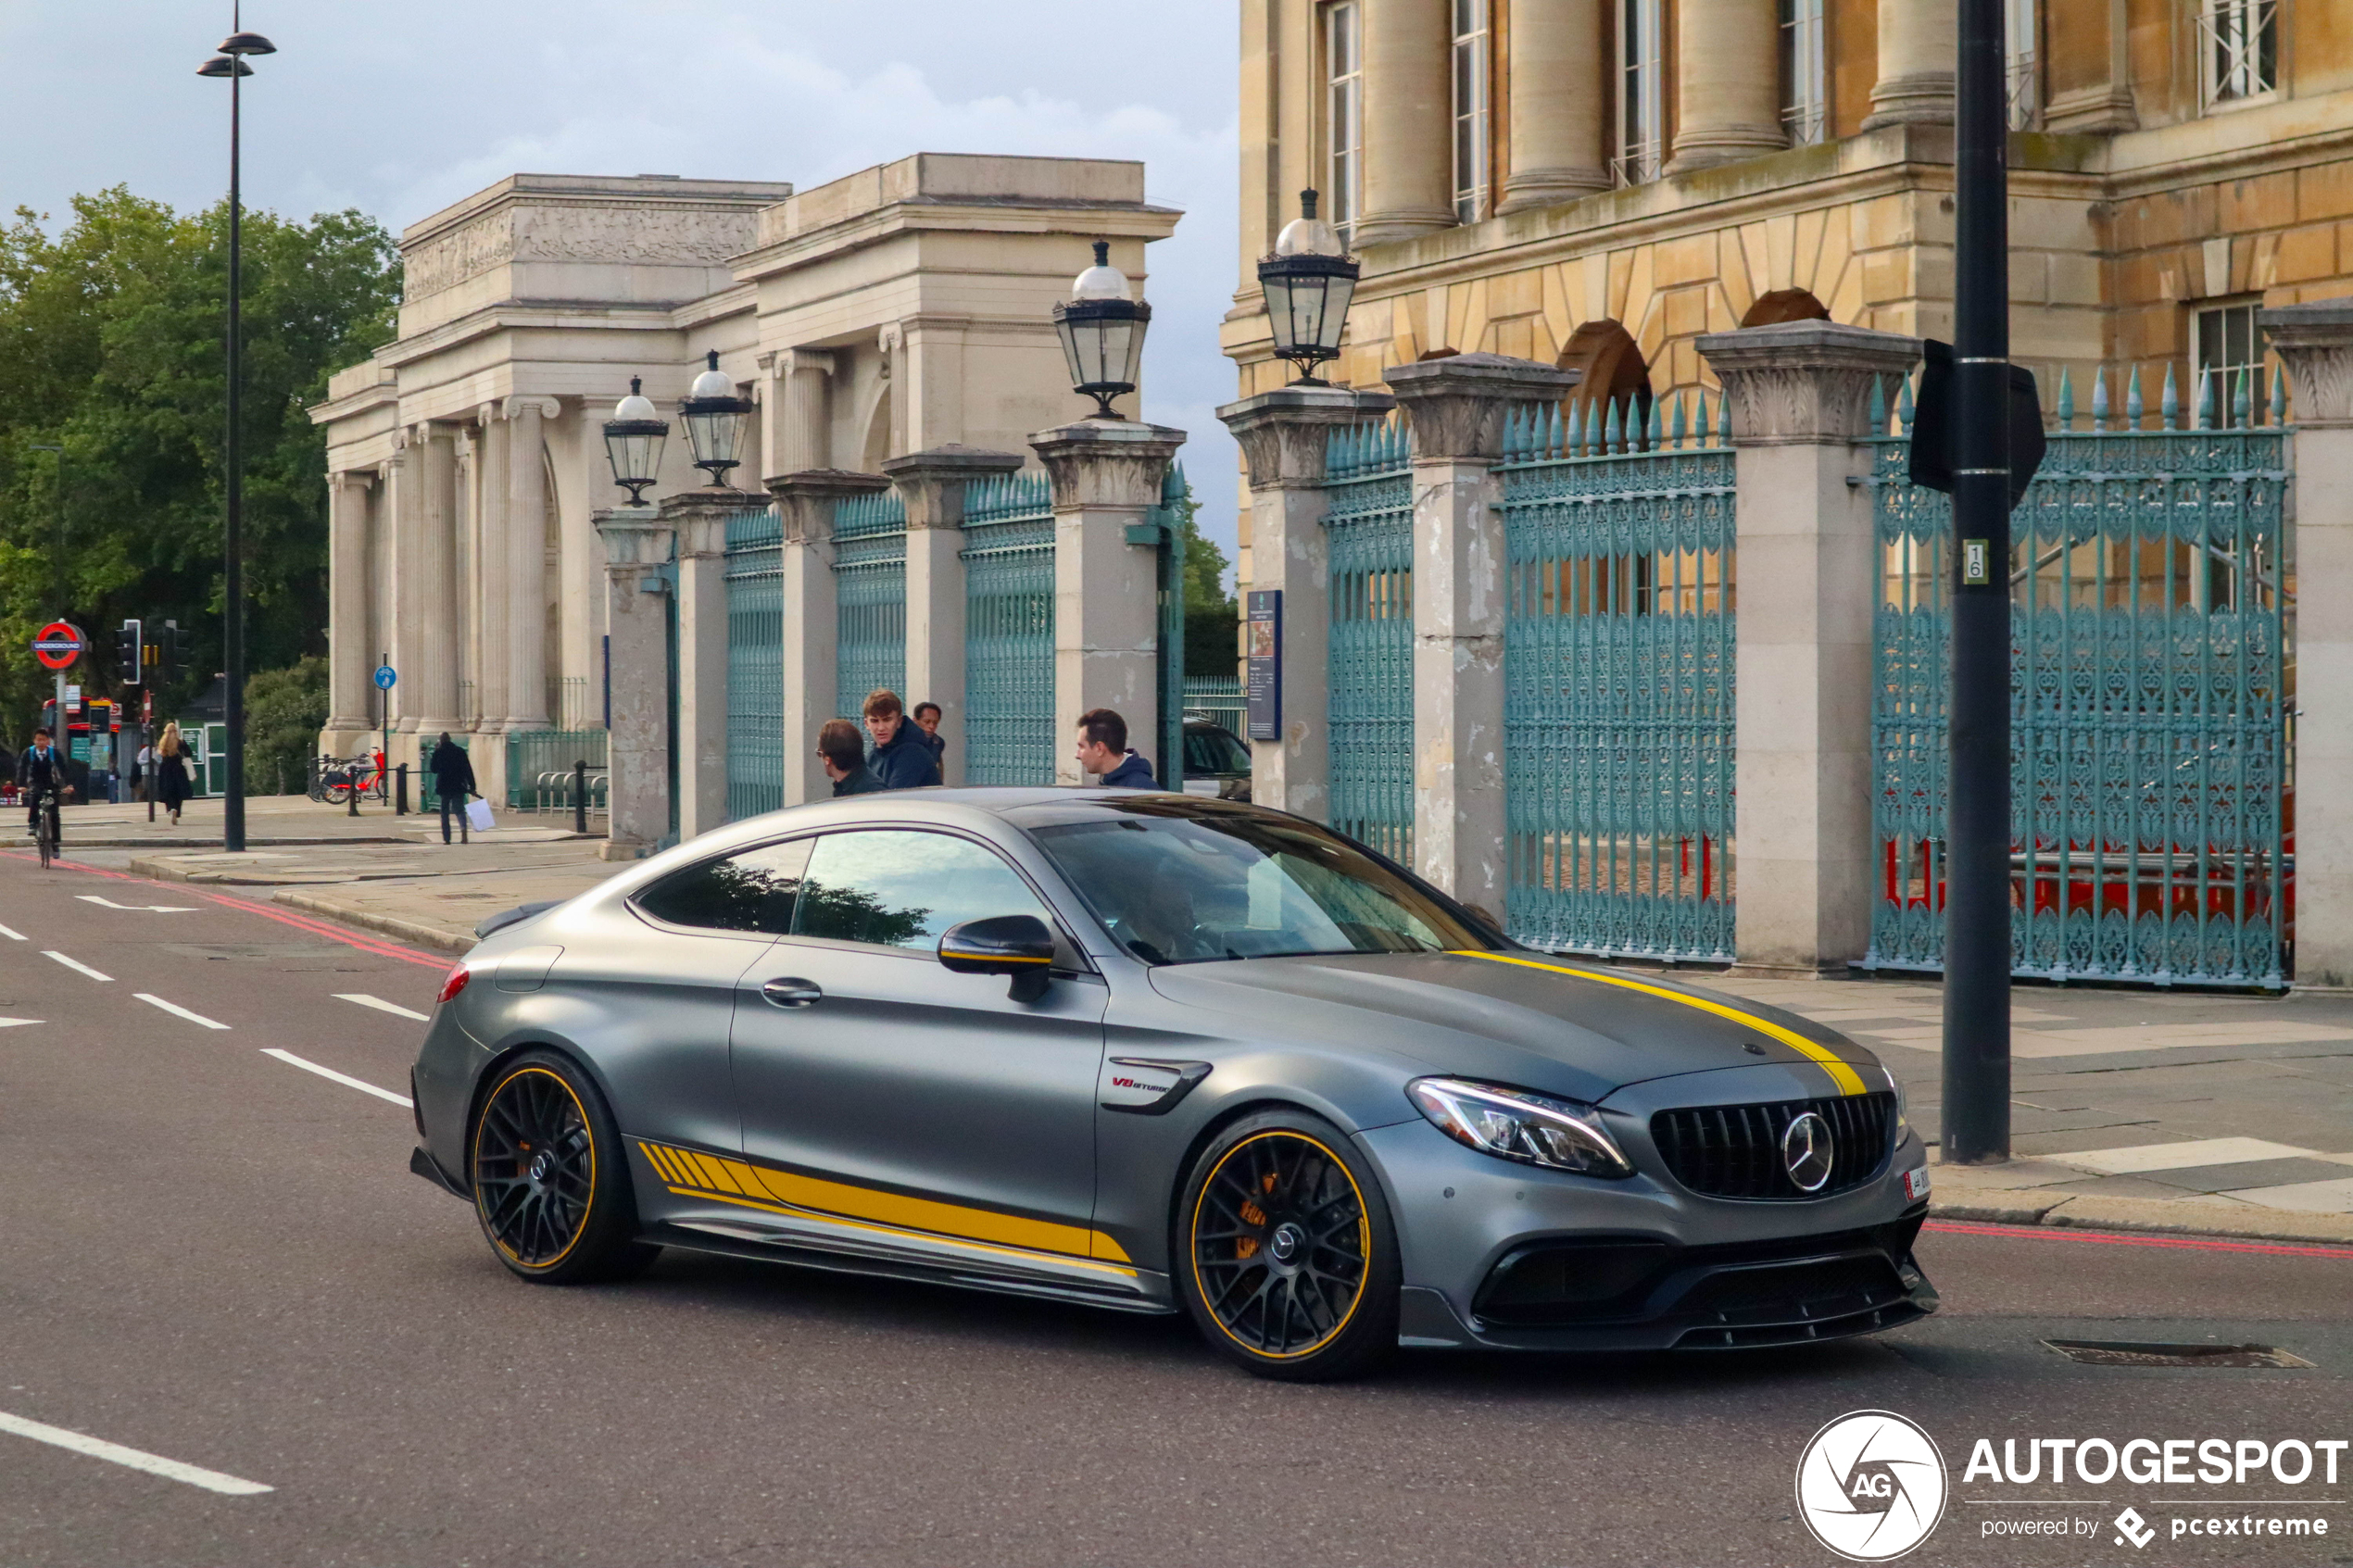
<point x="129" y="652"/>
<point x="168" y="653"/>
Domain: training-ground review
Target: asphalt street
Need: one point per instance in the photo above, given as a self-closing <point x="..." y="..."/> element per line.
<point x="214" y="1257"/>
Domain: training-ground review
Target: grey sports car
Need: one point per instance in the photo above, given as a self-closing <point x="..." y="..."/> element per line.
<point x="1156" y="1052"/>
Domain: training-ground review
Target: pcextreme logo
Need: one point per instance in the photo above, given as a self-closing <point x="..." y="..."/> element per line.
<point x="1870" y="1485"/>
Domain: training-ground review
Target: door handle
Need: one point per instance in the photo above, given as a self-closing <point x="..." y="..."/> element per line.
<point x="792" y="991"/>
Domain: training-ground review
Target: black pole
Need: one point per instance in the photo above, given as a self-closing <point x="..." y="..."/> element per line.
<point x="580" y="797"/>
<point x="232" y="624"/>
<point x="1976" y="1111"/>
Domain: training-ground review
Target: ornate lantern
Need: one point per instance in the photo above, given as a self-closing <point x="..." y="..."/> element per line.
<point x="1309" y="279"/>
<point x="715" y="418"/>
<point x="1103" y="332"/>
<point x="634" y="439"/>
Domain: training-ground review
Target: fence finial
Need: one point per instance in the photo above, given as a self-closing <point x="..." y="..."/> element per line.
<point x="1656" y="430"/>
<point x="1879" y="405"/>
<point x="1723" y="419"/>
<point x="1594" y="428"/>
<point x="2169" y="408"/>
<point x="2099" y="397"/>
<point x="2066" y="401"/>
<point x="1904" y="406"/>
<point x="2242" y="404"/>
<point x="2132" y="406"/>
<point x="1675" y="437"/>
<point x="2279" y="395"/>
<point x="2204" y="414"/>
<point x="1612" y="431"/>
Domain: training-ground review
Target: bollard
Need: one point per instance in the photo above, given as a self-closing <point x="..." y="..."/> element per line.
<point x="400" y="790"/>
<point x="580" y="797"/>
<point x="351" y="794"/>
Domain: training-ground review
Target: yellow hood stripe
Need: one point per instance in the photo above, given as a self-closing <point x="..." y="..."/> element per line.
<point x="1848" y="1080"/>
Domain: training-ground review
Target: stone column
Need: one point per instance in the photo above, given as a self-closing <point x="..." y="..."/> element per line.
<point x="1107" y="476"/>
<point x="1808" y="581"/>
<point x="697" y="519"/>
<point x="811" y="623"/>
<point x="1409" y="118"/>
<point x="637" y="545"/>
<point x="1727" y="99"/>
<point x="1456" y="407"/>
<point x="933" y="484"/>
<point x="438" y="627"/>
<point x="494" y="667"/>
<point x="1282" y="435"/>
<point x="405" y="477"/>
<point x="1559" y="98"/>
<point x="805" y="429"/>
<point x="351" y="658"/>
<point x="526" y="535"/>
<point x="2316" y="342"/>
<point x="1919" y="48"/>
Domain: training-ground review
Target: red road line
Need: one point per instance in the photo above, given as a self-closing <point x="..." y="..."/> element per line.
<point x="316" y="928"/>
<point x="2119" y="1238"/>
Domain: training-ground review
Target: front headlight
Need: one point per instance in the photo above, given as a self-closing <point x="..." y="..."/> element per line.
<point x="1902" y="1112"/>
<point x="1534" y="1129"/>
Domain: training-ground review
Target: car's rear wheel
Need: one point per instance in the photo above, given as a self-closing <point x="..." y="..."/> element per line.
<point x="1286" y="1255"/>
<point x="552" y="1185"/>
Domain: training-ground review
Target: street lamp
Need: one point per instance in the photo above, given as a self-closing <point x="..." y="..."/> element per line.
<point x="230" y="62"/>
<point x="715" y="417"/>
<point x="1103" y="332"/>
<point x="1309" y="279"/>
<point x="634" y="440"/>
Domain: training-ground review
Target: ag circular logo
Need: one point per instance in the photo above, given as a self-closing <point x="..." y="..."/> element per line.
<point x="1806" y="1150"/>
<point x="1870" y="1485"/>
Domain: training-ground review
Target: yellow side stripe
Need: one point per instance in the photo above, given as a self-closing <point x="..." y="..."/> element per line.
<point x="896" y="1230"/>
<point x="1849" y="1081"/>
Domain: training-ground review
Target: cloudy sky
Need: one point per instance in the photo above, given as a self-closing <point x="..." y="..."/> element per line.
<point x="400" y="109"/>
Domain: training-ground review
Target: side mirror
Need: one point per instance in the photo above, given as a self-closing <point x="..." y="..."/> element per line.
<point x="1019" y="945"/>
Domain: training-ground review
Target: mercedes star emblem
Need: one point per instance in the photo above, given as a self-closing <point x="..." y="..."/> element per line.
<point x="1805" y="1150"/>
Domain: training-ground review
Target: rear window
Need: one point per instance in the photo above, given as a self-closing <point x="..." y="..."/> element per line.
<point x="753" y="891"/>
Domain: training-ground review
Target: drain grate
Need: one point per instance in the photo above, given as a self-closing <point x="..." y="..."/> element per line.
<point x="2133" y="1352"/>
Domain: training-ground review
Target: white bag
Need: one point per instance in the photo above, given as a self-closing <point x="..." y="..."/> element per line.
<point x="478" y="816"/>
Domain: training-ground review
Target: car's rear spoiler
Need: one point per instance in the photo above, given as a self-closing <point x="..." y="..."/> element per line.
<point x="492" y="924"/>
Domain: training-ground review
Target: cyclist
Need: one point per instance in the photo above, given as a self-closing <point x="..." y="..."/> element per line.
<point x="40" y="771"/>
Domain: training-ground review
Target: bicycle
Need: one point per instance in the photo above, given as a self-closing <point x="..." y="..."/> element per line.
<point x="360" y="773"/>
<point x="50" y="830"/>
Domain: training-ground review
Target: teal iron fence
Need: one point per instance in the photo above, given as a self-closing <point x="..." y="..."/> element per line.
<point x="1618" y="674"/>
<point x="1009" y="631"/>
<point x="535" y="755"/>
<point x="1218" y="699"/>
<point x="1369" y="696"/>
<point x="870" y="595"/>
<point x="755" y="566"/>
<point x="2151" y="684"/>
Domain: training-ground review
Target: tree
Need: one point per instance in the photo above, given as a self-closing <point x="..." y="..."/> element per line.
<point x="1210" y="613"/>
<point x="110" y="346"/>
<point x="285" y="711"/>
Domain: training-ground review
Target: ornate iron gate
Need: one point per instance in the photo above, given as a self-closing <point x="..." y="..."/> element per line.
<point x="1009" y="631"/>
<point x="1619" y="680"/>
<point x="1170" y="519"/>
<point x="870" y="596"/>
<point x="755" y="663"/>
<point x="1370" y="695"/>
<point x="2151" y="677"/>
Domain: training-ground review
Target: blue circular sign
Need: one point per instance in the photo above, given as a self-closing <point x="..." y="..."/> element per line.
<point x="385" y="677"/>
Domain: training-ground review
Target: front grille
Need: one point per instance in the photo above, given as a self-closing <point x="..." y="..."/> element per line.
<point x="1735" y="1151"/>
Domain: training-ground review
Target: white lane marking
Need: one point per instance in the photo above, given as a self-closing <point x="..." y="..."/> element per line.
<point x="154" y="1464"/>
<point x="12" y="1022"/>
<point x="293" y="1061"/>
<point x="144" y="909"/>
<point x="378" y="1003"/>
<point x="177" y="1011"/>
<point x="11" y="936"/>
<point x="76" y="964"/>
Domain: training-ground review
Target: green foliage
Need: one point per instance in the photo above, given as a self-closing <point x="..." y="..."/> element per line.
<point x="1210" y="611"/>
<point x="110" y="346"/>
<point x="285" y="711"/>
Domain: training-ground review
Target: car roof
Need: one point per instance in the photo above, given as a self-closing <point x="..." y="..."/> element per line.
<point x="966" y="805"/>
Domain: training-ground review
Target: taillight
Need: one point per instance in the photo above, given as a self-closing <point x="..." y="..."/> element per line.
<point x="454" y="984"/>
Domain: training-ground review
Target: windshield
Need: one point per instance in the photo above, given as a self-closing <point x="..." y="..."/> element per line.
<point x="1174" y="886"/>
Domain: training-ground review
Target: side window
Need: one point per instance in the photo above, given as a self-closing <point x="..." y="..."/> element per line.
<point x="753" y="891"/>
<point x="900" y="889"/>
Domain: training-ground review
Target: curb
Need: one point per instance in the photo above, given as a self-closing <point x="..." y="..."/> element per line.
<point x="427" y="937"/>
<point x="2169" y="1216"/>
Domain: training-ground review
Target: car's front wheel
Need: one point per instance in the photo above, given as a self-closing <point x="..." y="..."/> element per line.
<point x="1286" y="1255"/>
<point x="552" y="1185"/>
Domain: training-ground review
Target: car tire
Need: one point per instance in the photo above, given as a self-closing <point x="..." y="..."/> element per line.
<point x="1284" y="1252"/>
<point x="552" y="1185"/>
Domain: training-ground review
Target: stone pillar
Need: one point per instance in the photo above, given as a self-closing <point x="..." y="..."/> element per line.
<point x="1282" y="435"/>
<point x="697" y="519"/>
<point x="1727" y="99"/>
<point x="1808" y="579"/>
<point x="1107" y="476"/>
<point x="2316" y="342"/>
<point x="1456" y="407"/>
<point x="526" y="535"/>
<point x="1918" y="48"/>
<point x="1559" y="101"/>
<point x="806" y="502"/>
<point x="805" y="430"/>
<point x="438" y="628"/>
<point x="494" y="667"/>
<point x="933" y="484"/>
<point x="2088" y="70"/>
<point x="401" y="634"/>
<point x="637" y="547"/>
<point x="351" y="658"/>
<point x="1409" y="117"/>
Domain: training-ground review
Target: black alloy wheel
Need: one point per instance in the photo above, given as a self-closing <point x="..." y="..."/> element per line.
<point x="551" y="1188"/>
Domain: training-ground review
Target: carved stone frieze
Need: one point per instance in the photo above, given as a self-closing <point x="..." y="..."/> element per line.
<point x="2316" y="342"/>
<point x="1803" y="382"/>
<point x="654" y="235"/>
<point x="1456" y="406"/>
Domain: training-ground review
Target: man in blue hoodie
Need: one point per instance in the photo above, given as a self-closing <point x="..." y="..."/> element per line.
<point x="1103" y="751"/>
<point x="902" y="758"/>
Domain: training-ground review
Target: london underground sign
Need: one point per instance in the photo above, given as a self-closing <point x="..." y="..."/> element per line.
<point x="57" y="645"/>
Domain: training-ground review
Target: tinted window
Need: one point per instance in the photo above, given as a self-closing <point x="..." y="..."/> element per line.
<point x="1215" y="751"/>
<point x="753" y="891"/>
<point x="903" y="889"/>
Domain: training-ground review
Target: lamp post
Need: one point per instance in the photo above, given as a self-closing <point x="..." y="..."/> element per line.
<point x="1309" y="279"/>
<point x="1103" y="332"/>
<point x="58" y="505"/>
<point x="714" y="417"/>
<point x="634" y="439"/>
<point x="230" y="62"/>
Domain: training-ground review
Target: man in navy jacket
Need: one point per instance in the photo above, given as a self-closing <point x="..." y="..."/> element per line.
<point x="902" y="757"/>
<point x="1103" y="751"/>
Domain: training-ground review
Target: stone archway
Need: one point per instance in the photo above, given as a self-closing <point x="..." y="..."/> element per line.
<point x="1615" y="371"/>
<point x="1784" y="304"/>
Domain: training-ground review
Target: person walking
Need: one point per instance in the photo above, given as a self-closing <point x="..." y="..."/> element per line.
<point x="453" y="781"/>
<point x="927" y="718"/>
<point x="1103" y="751"/>
<point x="901" y="759"/>
<point x="842" y="751"/>
<point x="174" y="784"/>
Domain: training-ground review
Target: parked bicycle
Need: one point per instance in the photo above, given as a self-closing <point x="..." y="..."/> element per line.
<point x="339" y="776"/>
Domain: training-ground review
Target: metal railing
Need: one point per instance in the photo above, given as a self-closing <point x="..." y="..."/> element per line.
<point x="1369" y="696"/>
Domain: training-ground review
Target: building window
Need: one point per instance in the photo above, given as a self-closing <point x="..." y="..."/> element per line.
<point x="2239" y="45"/>
<point x="1471" y="34"/>
<point x="1804" y="103"/>
<point x="1344" y="112"/>
<point x="2022" y="77"/>
<point x="2225" y="344"/>
<point x="1642" y="91"/>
